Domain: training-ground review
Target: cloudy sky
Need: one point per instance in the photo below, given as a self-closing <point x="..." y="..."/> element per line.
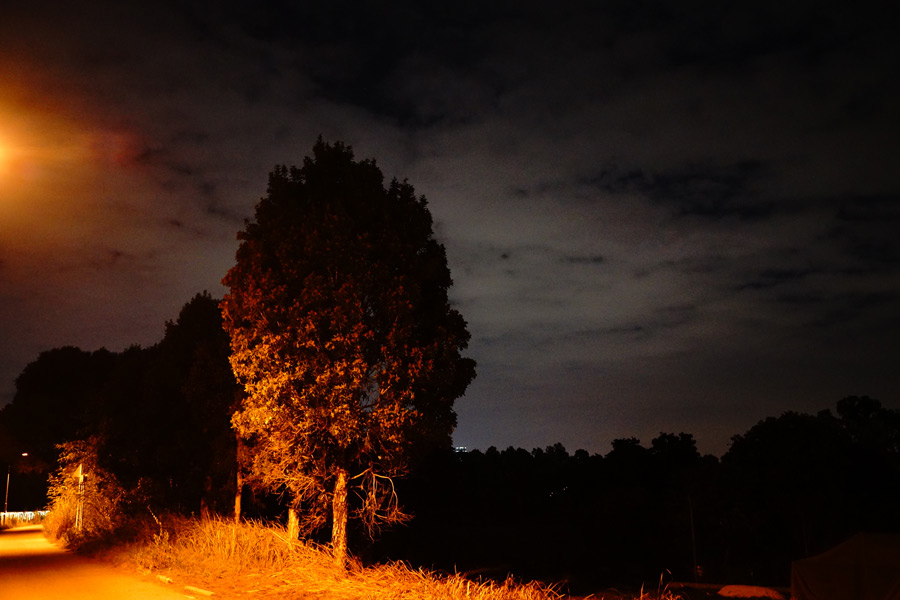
<point x="659" y="216"/>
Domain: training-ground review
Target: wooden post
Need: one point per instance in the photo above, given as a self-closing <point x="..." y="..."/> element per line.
<point x="79" y="507"/>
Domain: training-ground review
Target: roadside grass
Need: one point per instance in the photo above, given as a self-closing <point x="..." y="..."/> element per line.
<point x="253" y="559"/>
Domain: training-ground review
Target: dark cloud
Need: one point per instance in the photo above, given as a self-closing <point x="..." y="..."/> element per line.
<point x="595" y="259"/>
<point x="866" y="232"/>
<point x="868" y="209"/>
<point x="771" y="278"/>
<point x="807" y="299"/>
<point x="714" y="192"/>
<point x="854" y="308"/>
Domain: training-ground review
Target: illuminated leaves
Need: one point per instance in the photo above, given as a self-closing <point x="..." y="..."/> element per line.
<point x="342" y="333"/>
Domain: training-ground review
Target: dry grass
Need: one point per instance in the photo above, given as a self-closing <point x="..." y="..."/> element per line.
<point x="253" y="560"/>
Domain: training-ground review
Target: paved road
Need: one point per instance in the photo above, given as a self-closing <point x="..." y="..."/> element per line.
<point x="31" y="568"/>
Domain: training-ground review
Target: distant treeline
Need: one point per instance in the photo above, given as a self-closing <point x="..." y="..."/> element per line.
<point x="790" y="487"/>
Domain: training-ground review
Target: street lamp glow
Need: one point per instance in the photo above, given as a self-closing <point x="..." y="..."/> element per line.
<point x="4" y="157"/>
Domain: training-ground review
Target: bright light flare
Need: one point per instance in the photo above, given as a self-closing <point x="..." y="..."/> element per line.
<point x="37" y="154"/>
<point x="13" y="157"/>
<point x="4" y="157"/>
<point x="44" y="166"/>
<point x="57" y="172"/>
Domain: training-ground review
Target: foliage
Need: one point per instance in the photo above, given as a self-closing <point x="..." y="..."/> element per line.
<point x="546" y="514"/>
<point x="792" y="486"/>
<point x="179" y="394"/>
<point x="342" y="335"/>
<point x="799" y="484"/>
<point x="80" y="484"/>
<point x="56" y="398"/>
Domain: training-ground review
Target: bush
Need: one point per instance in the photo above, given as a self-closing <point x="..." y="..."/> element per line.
<point x="85" y="500"/>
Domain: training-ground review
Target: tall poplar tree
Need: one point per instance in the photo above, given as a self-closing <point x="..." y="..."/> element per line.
<point x="344" y="339"/>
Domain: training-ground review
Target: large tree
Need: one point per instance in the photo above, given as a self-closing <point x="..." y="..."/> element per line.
<point x="343" y="337"/>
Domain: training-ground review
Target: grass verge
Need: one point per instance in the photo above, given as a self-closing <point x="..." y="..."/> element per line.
<point x="255" y="560"/>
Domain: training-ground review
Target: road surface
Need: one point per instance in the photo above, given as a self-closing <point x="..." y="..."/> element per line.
<point x="31" y="568"/>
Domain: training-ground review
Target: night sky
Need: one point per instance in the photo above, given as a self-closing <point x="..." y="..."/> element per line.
<point x="659" y="216"/>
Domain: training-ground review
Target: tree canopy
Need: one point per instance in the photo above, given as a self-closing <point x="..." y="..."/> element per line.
<point x="343" y="337"/>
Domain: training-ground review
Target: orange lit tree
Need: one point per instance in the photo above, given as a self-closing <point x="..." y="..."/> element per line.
<point x="344" y="339"/>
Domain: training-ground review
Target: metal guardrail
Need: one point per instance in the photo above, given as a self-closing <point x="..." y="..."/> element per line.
<point x="8" y="519"/>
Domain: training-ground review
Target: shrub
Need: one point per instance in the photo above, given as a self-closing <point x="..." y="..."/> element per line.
<point x="85" y="500"/>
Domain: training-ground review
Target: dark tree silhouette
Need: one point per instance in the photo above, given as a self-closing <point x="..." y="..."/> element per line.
<point x="195" y="350"/>
<point x="158" y="417"/>
<point x="343" y="336"/>
<point x="166" y="424"/>
<point x="57" y="398"/>
<point x="871" y="425"/>
<point x="798" y="484"/>
<point x="874" y="478"/>
<point x="550" y="515"/>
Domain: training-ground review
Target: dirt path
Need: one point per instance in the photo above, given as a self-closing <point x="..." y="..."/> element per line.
<point x="31" y="568"/>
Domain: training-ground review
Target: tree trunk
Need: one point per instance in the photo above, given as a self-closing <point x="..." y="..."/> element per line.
<point x="239" y="483"/>
<point x="293" y="524"/>
<point x="339" y="519"/>
<point x="239" y="460"/>
<point x="205" y="510"/>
